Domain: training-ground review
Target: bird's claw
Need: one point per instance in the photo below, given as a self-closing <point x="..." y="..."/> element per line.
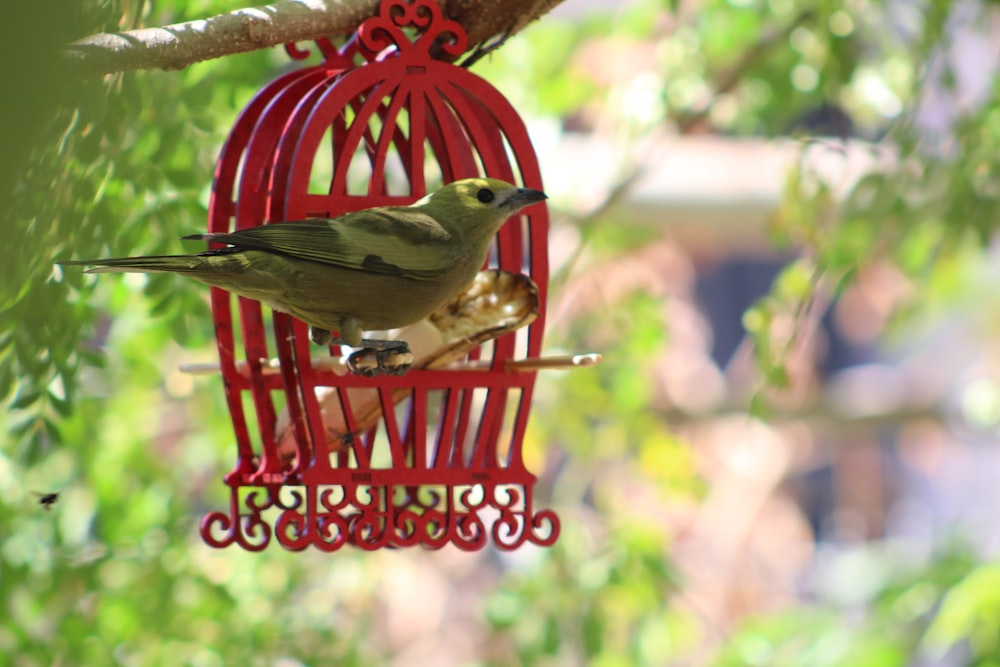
<point x="321" y="337"/>
<point x="371" y="362"/>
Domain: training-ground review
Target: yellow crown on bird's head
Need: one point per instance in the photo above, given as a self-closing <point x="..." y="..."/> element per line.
<point x="484" y="193"/>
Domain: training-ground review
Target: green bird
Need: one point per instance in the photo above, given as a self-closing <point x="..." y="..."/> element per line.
<point x="378" y="268"/>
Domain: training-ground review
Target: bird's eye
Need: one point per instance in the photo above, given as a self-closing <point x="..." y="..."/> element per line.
<point x="485" y="196"/>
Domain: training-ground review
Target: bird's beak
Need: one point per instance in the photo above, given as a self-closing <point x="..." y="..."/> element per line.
<point x="525" y="196"/>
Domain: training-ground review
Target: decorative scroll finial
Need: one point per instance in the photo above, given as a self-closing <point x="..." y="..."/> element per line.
<point x="386" y="30"/>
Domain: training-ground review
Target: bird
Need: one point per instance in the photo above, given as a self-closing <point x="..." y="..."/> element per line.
<point x="373" y="269"/>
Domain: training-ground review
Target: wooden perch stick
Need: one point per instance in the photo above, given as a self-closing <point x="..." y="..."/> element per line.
<point x="339" y="366"/>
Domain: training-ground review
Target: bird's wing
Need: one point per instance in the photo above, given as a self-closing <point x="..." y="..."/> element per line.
<point x="399" y="241"/>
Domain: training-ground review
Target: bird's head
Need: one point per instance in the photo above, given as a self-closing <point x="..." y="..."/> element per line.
<point x="481" y="204"/>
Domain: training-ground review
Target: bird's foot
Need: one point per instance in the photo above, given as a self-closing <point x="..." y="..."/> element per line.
<point x="372" y="362"/>
<point x="320" y="336"/>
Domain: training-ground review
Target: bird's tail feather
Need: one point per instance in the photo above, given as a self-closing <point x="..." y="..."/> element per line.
<point x="156" y="263"/>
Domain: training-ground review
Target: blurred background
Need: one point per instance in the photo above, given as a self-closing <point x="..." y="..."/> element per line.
<point x="776" y="221"/>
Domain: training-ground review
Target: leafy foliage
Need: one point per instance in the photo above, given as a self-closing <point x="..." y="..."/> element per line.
<point x="123" y="168"/>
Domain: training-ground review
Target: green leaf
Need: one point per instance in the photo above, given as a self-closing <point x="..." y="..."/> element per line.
<point x="61" y="406"/>
<point x="26" y="397"/>
<point x="51" y="430"/>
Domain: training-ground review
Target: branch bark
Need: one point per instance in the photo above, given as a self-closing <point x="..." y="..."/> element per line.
<point x="177" y="46"/>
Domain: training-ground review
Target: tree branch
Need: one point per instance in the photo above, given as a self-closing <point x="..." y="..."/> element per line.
<point x="727" y="80"/>
<point x="182" y="44"/>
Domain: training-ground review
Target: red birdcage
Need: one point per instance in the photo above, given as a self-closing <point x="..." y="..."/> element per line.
<point x="430" y="457"/>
